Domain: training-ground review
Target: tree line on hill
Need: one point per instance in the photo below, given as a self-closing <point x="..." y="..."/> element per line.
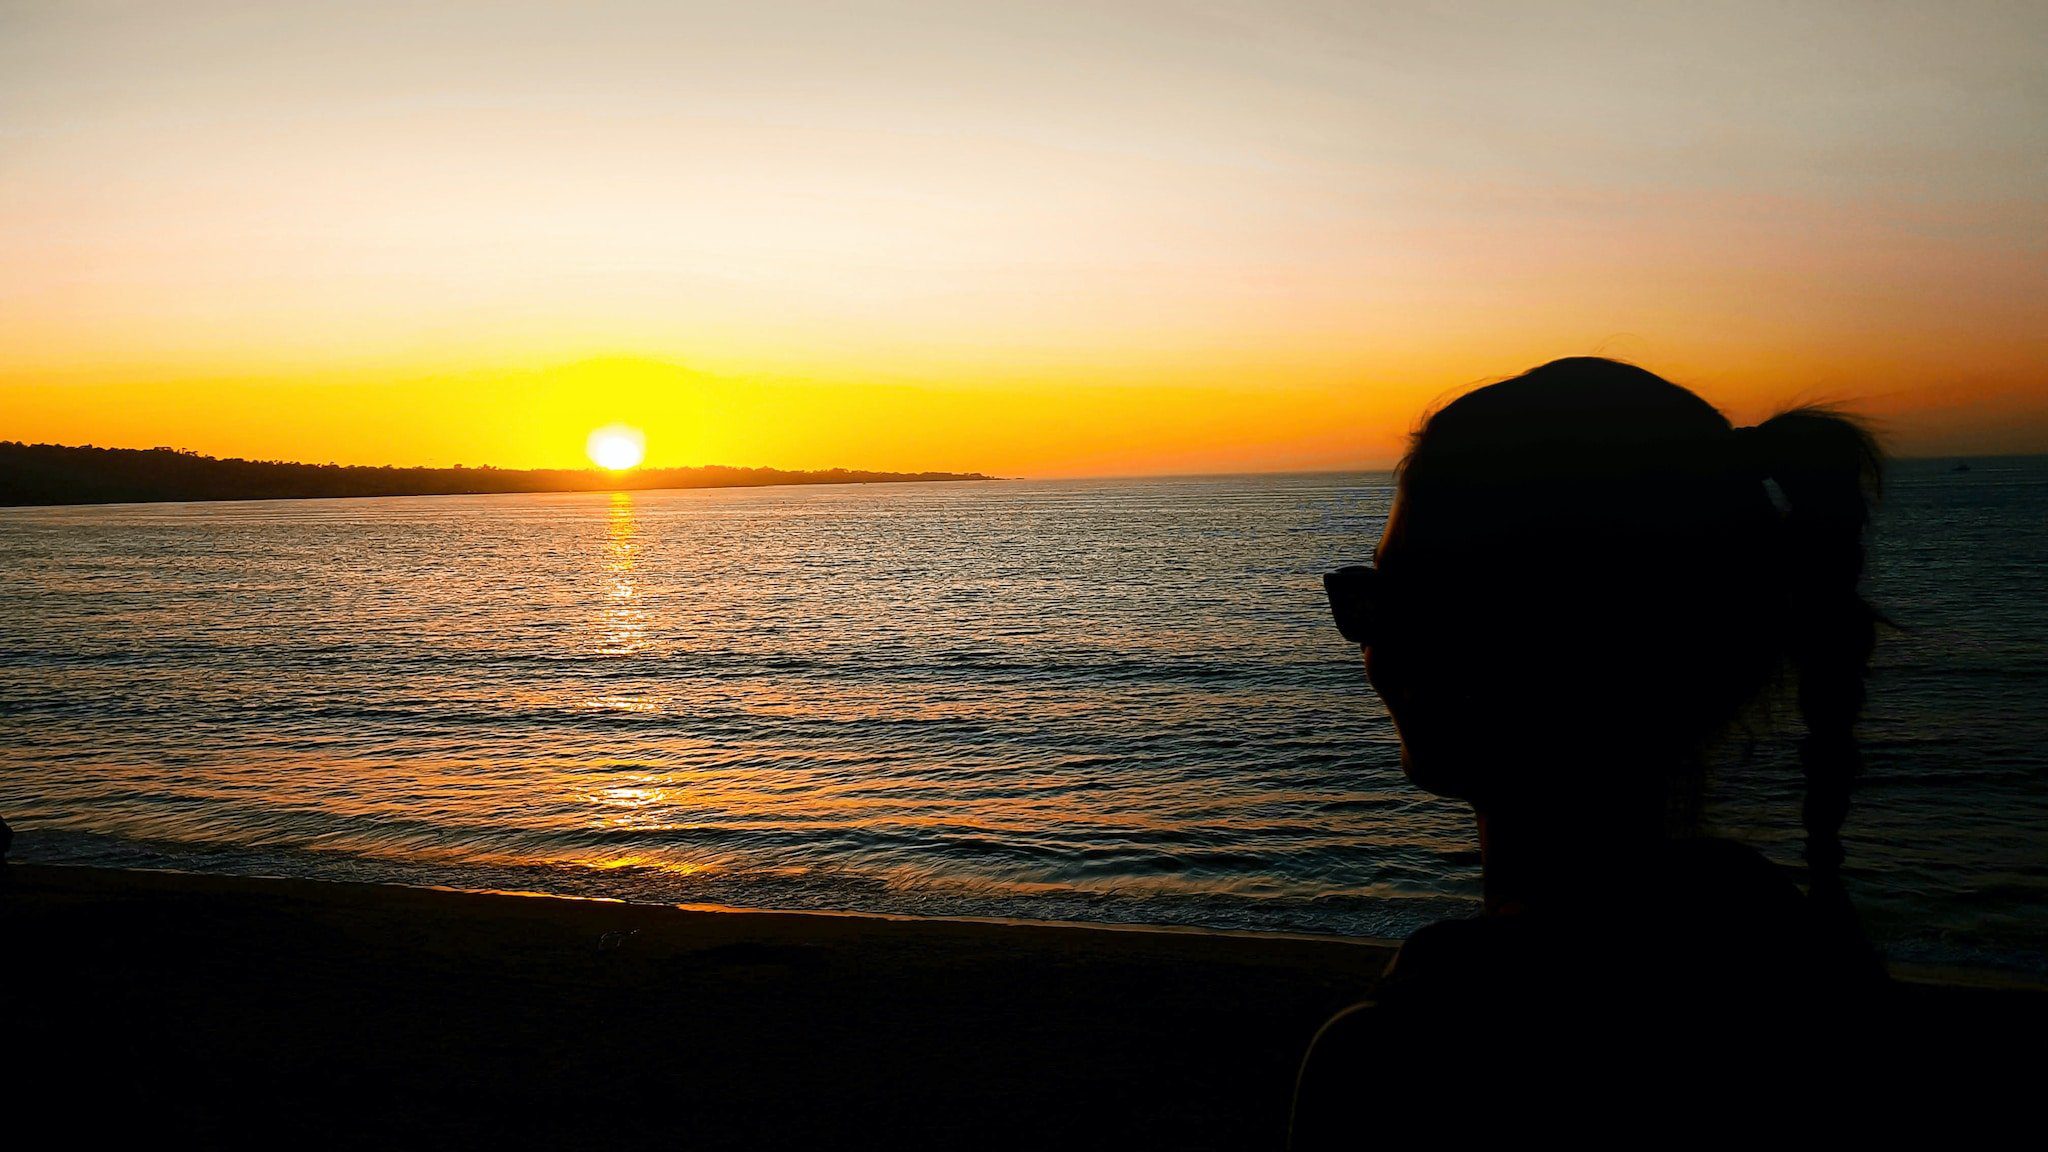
<point x="59" y="474"/>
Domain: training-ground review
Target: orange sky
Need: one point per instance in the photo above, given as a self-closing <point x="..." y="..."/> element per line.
<point x="1050" y="240"/>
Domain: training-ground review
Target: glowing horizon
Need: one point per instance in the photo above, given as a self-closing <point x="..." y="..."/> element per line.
<point x="1054" y="241"/>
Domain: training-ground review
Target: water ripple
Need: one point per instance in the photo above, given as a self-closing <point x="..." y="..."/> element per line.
<point x="1106" y="700"/>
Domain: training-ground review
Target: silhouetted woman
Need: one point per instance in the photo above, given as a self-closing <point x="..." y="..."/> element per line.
<point x="1587" y="579"/>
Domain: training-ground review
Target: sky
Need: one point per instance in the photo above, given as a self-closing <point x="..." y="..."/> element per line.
<point x="1028" y="239"/>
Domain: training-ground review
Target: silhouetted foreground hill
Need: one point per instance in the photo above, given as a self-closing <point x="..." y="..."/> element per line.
<point x="54" y="474"/>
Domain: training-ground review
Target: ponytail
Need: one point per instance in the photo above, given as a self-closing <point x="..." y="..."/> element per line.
<point x="1688" y="588"/>
<point x="1830" y="471"/>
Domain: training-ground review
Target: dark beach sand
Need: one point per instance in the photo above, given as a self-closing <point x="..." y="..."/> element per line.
<point x="223" y="1010"/>
<point x="181" y="1010"/>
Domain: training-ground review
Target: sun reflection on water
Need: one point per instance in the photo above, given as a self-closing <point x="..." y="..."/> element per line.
<point x="624" y="624"/>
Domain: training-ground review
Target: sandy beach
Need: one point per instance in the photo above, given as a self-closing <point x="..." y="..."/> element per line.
<point x="212" y="1010"/>
<point x="190" y="1010"/>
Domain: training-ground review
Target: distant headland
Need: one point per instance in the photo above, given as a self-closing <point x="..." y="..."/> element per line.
<point x="57" y="474"/>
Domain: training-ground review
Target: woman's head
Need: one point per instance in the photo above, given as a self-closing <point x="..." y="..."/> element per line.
<point x="1594" y="582"/>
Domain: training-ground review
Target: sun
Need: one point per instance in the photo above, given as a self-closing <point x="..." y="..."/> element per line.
<point x="617" y="447"/>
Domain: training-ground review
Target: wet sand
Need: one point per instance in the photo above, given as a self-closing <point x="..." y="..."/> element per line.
<point x="219" y="1010"/>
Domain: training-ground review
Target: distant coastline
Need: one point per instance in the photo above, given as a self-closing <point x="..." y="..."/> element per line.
<point x="42" y="474"/>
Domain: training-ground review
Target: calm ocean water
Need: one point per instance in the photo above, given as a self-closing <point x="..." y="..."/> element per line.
<point x="1107" y="700"/>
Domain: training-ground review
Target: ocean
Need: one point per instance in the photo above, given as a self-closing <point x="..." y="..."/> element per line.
<point x="1105" y="700"/>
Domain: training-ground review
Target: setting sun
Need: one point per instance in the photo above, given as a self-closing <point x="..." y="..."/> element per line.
<point x="617" y="447"/>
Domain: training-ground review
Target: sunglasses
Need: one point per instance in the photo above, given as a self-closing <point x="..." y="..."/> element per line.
<point x="1358" y="600"/>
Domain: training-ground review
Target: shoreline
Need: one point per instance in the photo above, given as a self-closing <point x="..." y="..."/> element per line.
<point x="207" y="879"/>
<point x="1939" y="973"/>
<point x="1912" y="972"/>
<point x="1387" y="943"/>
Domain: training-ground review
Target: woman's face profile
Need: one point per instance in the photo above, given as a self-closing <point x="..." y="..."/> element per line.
<point x="1389" y="664"/>
<point x="1420" y="680"/>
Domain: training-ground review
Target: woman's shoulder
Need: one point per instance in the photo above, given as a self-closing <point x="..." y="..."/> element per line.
<point x="1712" y="873"/>
<point x="1636" y="994"/>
